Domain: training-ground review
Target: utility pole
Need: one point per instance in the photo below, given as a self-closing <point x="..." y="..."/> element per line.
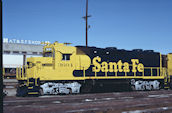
<point x="86" y="19"/>
<point x="1" y="68"/>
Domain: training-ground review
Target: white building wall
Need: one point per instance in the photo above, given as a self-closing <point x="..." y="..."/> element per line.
<point x="13" y="61"/>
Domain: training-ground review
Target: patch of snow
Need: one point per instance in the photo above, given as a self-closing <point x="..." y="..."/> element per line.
<point x="56" y="102"/>
<point x="147" y="110"/>
<point x="88" y="100"/>
<point x="108" y="98"/>
<point x="82" y="110"/>
<point x="164" y="108"/>
<point x="18" y="106"/>
<point x="45" y="96"/>
<point x="127" y="97"/>
<point x="136" y="111"/>
<point x="158" y="96"/>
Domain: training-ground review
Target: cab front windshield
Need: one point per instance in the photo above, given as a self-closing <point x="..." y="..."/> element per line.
<point x="47" y="54"/>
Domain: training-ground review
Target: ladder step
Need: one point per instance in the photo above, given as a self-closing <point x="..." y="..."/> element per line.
<point x="30" y="87"/>
<point x="31" y="82"/>
<point x="32" y="93"/>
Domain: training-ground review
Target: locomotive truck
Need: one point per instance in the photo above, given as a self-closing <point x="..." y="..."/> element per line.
<point x="66" y="69"/>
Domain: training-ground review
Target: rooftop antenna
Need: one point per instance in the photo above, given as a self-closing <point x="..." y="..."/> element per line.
<point x="86" y="19"/>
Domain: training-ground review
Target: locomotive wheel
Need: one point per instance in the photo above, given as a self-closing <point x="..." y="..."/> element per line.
<point x="87" y="87"/>
<point x="70" y="91"/>
<point x="133" y="88"/>
<point x="22" y="91"/>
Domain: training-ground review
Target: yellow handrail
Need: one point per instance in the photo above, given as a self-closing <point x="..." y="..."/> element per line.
<point x="160" y="73"/>
<point x="21" y="73"/>
<point x="3" y="73"/>
<point x="17" y="77"/>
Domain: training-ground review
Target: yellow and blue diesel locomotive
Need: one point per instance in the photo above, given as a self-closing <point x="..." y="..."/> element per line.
<point x="65" y="69"/>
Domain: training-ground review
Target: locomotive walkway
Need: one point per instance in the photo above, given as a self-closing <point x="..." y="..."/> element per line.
<point x="116" y="102"/>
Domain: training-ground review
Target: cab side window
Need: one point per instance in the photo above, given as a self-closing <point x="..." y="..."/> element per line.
<point x="66" y="57"/>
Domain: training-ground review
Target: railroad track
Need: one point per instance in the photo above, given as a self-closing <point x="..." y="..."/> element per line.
<point x="116" y="102"/>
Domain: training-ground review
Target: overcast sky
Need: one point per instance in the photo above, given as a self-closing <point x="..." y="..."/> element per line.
<point x="125" y="24"/>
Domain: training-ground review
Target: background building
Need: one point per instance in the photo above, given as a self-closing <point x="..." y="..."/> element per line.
<point x="14" y="52"/>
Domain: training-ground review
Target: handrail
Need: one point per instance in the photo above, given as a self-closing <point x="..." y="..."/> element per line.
<point x="21" y="73"/>
<point x="3" y="73"/>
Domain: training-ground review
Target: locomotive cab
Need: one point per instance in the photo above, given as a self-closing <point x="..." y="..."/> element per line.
<point x="58" y="63"/>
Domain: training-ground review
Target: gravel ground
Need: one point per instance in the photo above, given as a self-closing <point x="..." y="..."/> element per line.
<point x="116" y="102"/>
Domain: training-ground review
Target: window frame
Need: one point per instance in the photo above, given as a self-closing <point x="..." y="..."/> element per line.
<point x="66" y="57"/>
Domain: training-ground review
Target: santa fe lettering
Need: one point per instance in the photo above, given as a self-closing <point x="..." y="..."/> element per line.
<point x="116" y="66"/>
